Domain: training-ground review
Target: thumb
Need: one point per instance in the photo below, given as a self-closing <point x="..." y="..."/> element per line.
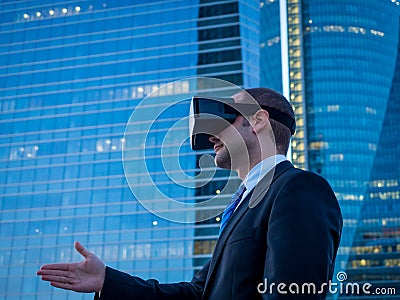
<point x="82" y="250"/>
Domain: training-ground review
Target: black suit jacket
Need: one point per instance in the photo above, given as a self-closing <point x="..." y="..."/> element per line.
<point x="286" y="232"/>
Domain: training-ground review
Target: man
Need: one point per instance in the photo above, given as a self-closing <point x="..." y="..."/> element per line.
<point x="279" y="236"/>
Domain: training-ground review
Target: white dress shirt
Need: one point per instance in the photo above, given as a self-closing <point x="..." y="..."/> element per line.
<point x="259" y="171"/>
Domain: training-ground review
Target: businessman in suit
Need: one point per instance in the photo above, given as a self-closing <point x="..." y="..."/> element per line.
<point x="279" y="234"/>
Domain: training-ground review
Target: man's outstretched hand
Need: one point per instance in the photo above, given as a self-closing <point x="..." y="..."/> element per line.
<point x="84" y="276"/>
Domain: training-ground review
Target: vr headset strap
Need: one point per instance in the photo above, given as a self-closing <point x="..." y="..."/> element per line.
<point x="249" y="109"/>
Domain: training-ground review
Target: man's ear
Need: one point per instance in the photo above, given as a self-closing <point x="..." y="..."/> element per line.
<point x="260" y="120"/>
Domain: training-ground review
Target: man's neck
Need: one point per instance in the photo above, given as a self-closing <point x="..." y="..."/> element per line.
<point x="242" y="172"/>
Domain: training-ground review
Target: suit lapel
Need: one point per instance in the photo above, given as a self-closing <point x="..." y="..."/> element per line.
<point x="237" y="215"/>
<point x="251" y="200"/>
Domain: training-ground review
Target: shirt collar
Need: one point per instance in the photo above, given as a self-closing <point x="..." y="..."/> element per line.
<point x="260" y="170"/>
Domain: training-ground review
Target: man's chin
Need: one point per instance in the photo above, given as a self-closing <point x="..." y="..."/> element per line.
<point x="222" y="162"/>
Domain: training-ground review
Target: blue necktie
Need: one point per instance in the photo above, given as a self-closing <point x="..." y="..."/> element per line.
<point x="230" y="208"/>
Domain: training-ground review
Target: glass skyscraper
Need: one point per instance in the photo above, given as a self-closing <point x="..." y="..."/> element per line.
<point x="340" y="70"/>
<point x="71" y="75"/>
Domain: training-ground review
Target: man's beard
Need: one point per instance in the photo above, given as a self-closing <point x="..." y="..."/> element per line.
<point x="223" y="158"/>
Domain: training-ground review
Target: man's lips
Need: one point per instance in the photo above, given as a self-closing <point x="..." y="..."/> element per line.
<point x="217" y="147"/>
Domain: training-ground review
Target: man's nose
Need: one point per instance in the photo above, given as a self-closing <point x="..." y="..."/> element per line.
<point x="213" y="139"/>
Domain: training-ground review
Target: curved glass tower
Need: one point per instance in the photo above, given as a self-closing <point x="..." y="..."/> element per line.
<point x="343" y="82"/>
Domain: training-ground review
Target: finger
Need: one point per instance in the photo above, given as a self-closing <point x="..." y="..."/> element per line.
<point x="53" y="272"/>
<point x="63" y="267"/>
<point x="82" y="250"/>
<point x="59" y="279"/>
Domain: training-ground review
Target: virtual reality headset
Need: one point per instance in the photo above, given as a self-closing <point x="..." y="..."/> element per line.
<point x="209" y="116"/>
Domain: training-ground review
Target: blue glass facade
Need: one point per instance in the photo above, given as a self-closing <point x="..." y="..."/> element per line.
<point x="270" y="45"/>
<point x="71" y="75"/>
<point x="350" y="61"/>
<point x="376" y="243"/>
<point x="343" y="76"/>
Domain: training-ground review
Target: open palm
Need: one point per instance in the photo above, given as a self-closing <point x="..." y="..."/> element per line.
<point x="84" y="276"/>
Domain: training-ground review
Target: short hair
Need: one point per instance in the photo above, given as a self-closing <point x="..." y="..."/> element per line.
<point x="271" y="98"/>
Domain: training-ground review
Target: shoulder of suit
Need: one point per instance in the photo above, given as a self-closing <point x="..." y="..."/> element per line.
<point x="308" y="177"/>
<point x="290" y="172"/>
